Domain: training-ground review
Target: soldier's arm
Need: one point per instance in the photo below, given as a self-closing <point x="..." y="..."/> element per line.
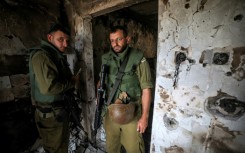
<point x="144" y="75"/>
<point x="146" y="101"/>
<point x="47" y="75"/>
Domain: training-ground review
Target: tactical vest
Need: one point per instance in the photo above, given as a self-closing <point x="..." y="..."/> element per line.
<point x="62" y="66"/>
<point x="130" y="82"/>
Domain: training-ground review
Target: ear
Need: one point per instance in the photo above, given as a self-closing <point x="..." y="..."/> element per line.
<point x="128" y="39"/>
<point x="49" y="37"/>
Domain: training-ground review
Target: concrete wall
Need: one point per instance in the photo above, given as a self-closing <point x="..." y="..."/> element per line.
<point x="199" y="99"/>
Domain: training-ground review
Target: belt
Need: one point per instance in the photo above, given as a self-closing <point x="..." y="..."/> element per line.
<point x="45" y="115"/>
<point x="47" y="110"/>
<point x="49" y="114"/>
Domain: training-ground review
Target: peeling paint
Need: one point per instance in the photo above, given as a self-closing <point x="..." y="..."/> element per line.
<point x="167" y="104"/>
<point x="239" y="74"/>
<point x="206" y="57"/>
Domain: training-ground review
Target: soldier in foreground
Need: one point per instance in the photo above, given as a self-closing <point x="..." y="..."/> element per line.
<point x="50" y="78"/>
<point x="128" y="94"/>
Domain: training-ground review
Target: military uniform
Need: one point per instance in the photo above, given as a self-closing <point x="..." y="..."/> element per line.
<point x="136" y="77"/>
<point x="50" y="76"/>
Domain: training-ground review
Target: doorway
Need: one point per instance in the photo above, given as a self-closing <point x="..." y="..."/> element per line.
<point x="141" y="21"/>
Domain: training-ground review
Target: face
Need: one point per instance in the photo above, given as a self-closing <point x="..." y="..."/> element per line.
<point x="118" y="41"/>
<point x="59" y="39"/>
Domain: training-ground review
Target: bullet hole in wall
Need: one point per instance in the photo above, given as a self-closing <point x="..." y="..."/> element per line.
<point x="170" y="123"/>
<point x="179" y="58"/>
<point x="212" y="57"/>
<point x="220" y="58"/>
<point x="187" y="5"/>
<point x="225" y="106"/>
<point x="238" y="17"/>
<point x="228" y="73"/>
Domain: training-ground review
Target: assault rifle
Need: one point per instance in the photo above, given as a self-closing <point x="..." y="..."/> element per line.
<point x="71" y="106"/>
<point x="100" y="98"/>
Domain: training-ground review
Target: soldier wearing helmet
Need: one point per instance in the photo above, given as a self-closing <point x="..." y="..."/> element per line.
<point x="127" y="113"/>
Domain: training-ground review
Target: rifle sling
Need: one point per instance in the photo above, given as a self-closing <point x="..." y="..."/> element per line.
<point x="120" y="74"/>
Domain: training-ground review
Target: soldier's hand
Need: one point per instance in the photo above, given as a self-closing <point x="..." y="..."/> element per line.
<point x="142" y="124"/>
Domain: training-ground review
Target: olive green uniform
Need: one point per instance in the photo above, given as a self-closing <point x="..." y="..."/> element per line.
<point x="50" y="76"/>
<point x="136" y="77"/>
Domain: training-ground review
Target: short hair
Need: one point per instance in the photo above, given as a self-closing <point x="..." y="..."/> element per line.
<point x="123" y="28"/>
<point x="58" y="27"/>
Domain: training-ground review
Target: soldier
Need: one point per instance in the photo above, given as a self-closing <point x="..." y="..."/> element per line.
<point x="50" y="77"/>
<point x="128" y="105"/>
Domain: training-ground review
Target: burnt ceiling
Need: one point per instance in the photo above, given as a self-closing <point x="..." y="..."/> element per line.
<point x="145" y="12"/>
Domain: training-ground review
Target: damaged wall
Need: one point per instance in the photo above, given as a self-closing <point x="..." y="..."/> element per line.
<point x="199" y="99"/>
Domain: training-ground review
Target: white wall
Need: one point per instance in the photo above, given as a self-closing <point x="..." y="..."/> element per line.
<point x="181" y="121"/>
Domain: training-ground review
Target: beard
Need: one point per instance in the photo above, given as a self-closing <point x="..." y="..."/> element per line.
<point x="119" y="49"/>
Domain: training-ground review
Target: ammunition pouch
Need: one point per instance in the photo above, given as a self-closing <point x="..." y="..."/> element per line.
<point x="122" y="113"/>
